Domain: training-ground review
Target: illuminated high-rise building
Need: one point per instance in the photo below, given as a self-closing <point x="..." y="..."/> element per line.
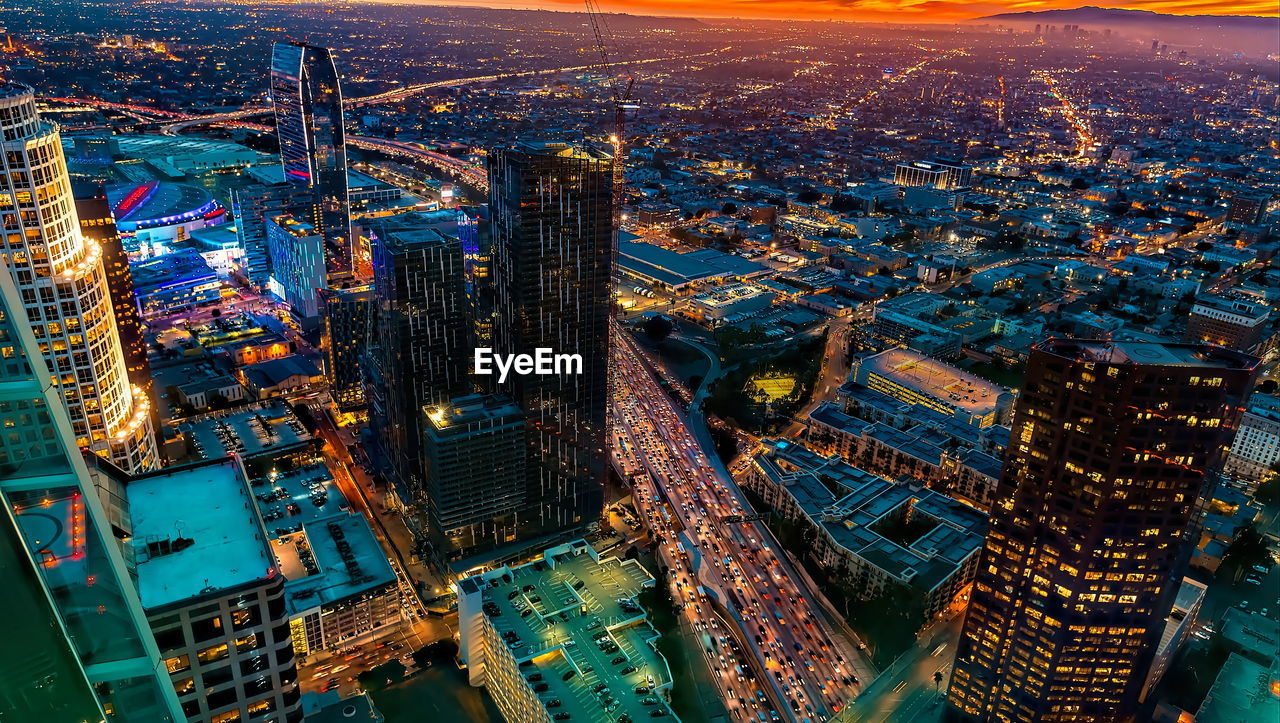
<point x="307" y="97"/>
<point x="1115" y="446"/>
<point x="62" y="281"/>
<point x="552" y="257"/>
<point x="98" y="225"/>
<point x="78" y="644"/>
<point x="422" y="346"/>
<point x="348" y="317"/>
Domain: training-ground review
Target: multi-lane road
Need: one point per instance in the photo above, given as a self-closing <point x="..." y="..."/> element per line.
<point x="725" y="570"/>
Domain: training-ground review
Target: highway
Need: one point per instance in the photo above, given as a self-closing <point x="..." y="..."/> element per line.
<point x="399" y="94"/>
<point x="696" y="508"/>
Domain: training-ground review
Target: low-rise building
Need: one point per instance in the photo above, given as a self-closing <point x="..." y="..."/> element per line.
<point x="870" y="532"/>
<point x="174" y="282"/>
<point x="1233" y="323"/>
<point x="913" y="377"/>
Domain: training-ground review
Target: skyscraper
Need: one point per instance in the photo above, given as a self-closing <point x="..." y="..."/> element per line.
<point x="296" y="250"/>
<point x="98" y="225"/>
<point x="62" y="282"/>
<point x="423" y="342"/>
<point x="552" y="257"/>
<point x="1097" y="511"/>
<point x="347" y="317"/>
<point x="307" y="97"/>
<point x="79" y="645"/>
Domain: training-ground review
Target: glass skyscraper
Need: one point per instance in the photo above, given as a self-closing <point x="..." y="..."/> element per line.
<point x="307" y="98"/>
<point x="63" y="285"/>
<point x="552" y="256"/>
<point x="78" y="646"/>
<point x="1114" y="447"/>
<point x="423" y="342"/>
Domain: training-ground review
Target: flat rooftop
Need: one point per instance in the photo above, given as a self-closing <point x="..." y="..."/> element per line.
<point x="1154" y="353"/>
<point x="566" y="619"/>
<point x="864" y="512"/>
<point x="195" y="532"/>
<point x="934" y="378"/>
<point x="291" y="498"/>
<point x="331" y="559"/>
<point x="246" y="431"/>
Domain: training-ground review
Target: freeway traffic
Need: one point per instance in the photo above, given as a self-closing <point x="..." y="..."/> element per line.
<point x="735" y="565"/>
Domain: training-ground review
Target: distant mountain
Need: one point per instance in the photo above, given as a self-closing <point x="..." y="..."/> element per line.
<point x="1250" y="34"/>
<point x="1101" y="17"/>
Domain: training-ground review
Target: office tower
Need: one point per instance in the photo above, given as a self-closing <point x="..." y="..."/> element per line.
<point x="474" y="457"/>
<point x="307" y="98"/>
<point x="79" y="648"/>
<point x="296" y="250"/>
<point x="214" y="593"/>
<point x="1256" y="448"/>
<point x="252" y="205"/>
<point x="423" y="341"/>
<point x="1234" y="323"/>
<point x="550" y="206"/>
<point x="98" y="225"/>
<point x="939" y="173"/>
<point x="1248" y="208"/>
<point x="348" y="317"/>
<point x="1096" y="514"/>
<point x="63" y="284"/>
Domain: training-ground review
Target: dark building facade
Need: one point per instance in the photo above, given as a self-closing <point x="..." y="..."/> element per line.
<point x="551" y="226"/>
<point x="97" y="224"/>
<point x="1247" y="208"/>
<point x="474" y="457"/>
<point x="423" y="342"/>
<point x="348" y="314"/>
<point x="1097" y="510"/>
<point x="307" y="98"/>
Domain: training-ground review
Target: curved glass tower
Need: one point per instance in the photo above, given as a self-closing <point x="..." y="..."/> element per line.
<point x="307" y="98"/>
<point x="62" y="285"/>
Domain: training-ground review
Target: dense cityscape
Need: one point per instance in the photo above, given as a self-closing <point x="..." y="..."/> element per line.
<point x="394" y="362"/>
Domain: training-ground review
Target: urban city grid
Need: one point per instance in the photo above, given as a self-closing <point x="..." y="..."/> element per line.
<point x="811" y="361"/>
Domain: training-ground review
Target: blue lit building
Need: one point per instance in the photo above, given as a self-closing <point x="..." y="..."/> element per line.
<point x="296" y="249"/>
<point x="175" y="282"/>
<point x="152" y="216"/>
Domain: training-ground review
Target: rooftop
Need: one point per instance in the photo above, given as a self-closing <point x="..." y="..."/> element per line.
<point x="936" y="379"/>
<point x="568" y="617"/>
<point x="154" y="203"/>
<point x="472" y="411"/>
<point x="246" y="431"/>
<point x="329" y="560"/>
<point x="180" y="267"/>
<point x="917" y="535"/>
<point x="195" y="532"/>
<point x="1133" y="352"/>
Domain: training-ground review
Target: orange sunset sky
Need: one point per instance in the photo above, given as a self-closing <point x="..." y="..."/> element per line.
<point x="900" y="11"/>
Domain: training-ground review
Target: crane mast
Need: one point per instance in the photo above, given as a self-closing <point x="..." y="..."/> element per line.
<point x="619" y="96"/>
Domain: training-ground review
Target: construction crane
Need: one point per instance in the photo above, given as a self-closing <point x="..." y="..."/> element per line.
<point x="620" y="97"/>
